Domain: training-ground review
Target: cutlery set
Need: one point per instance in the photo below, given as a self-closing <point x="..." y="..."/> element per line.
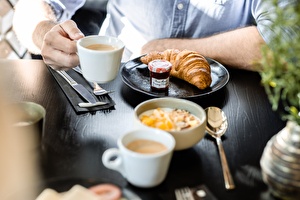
<point x="92" y="101"/>
<point x="200" y="192"/>
<point x="184" y="194"/>
<point x="98" y="90"/>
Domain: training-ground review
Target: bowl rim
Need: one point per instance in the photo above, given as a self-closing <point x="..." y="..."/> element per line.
<point x="164" y="99"/>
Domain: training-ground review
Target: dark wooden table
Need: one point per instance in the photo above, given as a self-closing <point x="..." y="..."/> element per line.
<point x="73" y="144"/>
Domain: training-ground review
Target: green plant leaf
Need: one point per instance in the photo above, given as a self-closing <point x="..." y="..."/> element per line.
<point x="280" y="61"/>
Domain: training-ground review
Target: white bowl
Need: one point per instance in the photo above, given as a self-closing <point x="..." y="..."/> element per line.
<point x="185" y="138"/>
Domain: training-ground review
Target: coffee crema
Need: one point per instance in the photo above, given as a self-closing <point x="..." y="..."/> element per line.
<point x="101" y="47"/>
<point x="146" y="146"/>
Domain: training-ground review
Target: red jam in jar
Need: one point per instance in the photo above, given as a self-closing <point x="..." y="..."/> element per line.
<point x="159" y="75"/>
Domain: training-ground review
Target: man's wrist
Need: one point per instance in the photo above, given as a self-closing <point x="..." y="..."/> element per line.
<point x="41" y="29"/>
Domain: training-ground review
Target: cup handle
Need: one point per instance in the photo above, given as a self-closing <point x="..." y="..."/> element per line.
<point x="112" y="159"/>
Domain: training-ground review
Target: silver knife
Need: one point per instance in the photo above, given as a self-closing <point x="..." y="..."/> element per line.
<point x="82" y="91"/>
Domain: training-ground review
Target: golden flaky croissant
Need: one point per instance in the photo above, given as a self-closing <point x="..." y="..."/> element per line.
<point x="186" y="65"/>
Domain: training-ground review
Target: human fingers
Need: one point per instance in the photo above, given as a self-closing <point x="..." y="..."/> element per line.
<point x="58" y="38"/>
<point x="58" y="50"/>
<point x="71" y="30"/>
<point x="107" y="191"/>
<point x="59" y="57"/>
<point x="59" y="60"/>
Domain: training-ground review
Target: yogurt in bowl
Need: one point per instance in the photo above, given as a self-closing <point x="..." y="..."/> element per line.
<point x="183" y="119"/>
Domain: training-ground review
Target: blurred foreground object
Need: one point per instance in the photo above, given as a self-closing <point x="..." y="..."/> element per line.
<point x="281" y="77"/>
<point x="19" y="173"/>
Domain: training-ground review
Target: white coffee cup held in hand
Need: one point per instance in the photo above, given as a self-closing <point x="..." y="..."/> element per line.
<point x="143" y="156"/>
<point x="100" y="57"/>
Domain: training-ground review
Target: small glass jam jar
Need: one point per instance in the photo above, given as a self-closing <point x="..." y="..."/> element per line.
<point x="159" y="75"/>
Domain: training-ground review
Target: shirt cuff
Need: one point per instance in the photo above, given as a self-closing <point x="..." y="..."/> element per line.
<point x="58" y="9"/>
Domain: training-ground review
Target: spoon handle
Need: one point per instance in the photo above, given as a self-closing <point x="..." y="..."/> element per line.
<point x="229" y="184"/>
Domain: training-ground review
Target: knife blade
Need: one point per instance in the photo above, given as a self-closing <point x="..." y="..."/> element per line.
<point x="81" y="90"/>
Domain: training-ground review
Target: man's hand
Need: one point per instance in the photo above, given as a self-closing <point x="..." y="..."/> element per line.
<point x="59" y="46"/>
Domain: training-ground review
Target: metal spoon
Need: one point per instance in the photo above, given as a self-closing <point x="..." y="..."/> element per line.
<point x="216" y="127"/>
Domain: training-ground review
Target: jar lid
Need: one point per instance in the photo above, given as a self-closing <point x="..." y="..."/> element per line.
<point x="159" y="66"/>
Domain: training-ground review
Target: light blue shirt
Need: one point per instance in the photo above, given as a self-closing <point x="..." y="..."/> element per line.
<point x="65" y="9"/>
<point x="136" y="22"/>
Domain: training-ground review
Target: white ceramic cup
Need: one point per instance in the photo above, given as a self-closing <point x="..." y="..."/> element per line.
<point x="100" y="66"/>
<point x="141" y="170"/>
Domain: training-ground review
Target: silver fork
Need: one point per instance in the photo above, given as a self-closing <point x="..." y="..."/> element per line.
<point x="97" y="89"/>
<point x="184" y="194"/>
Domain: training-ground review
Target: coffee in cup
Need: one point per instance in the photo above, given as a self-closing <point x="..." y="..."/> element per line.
<point x="100" y="57"/>
<point x="143" y="156"/>
<point x="101" y="47"/>
<point x="146" y="146"/>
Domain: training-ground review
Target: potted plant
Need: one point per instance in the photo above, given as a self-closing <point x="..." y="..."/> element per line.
<point x="280" y="73"/>
<point x="281" y="63"/>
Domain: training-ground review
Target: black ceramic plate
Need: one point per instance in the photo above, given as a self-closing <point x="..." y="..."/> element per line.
<point x="135" y="74"/>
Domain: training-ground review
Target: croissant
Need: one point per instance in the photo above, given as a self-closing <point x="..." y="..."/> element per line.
<point x="186" y="65"/>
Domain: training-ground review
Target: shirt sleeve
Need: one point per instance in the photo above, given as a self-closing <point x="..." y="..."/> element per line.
<point x="64" y="9"/>
<point x="264" y="14"/>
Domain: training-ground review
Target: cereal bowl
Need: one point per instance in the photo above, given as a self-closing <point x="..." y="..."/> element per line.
<point x="186" y="133"/>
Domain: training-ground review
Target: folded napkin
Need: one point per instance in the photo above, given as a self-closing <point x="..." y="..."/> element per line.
<point x="74" y="98"/>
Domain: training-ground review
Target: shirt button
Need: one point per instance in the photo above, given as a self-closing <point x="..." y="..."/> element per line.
<point x="179" y="6"/>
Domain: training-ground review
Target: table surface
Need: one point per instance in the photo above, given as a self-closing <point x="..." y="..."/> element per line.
<point x="74" y="143"/>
